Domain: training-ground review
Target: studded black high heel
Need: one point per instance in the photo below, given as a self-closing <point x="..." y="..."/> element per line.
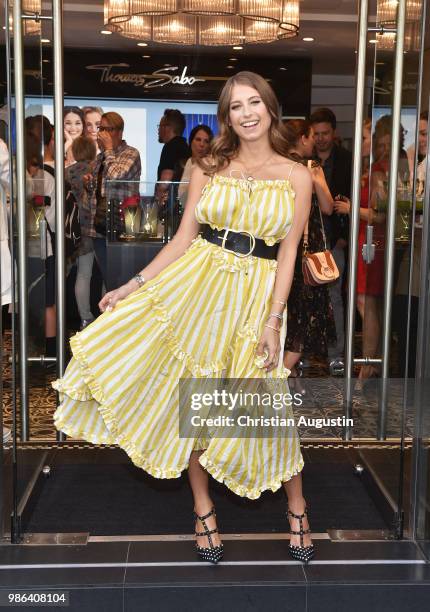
<point x="213" y="553"/>
<point x="301" y="553"/>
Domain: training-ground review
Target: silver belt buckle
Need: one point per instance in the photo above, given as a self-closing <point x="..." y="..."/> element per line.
<point x="252" y="242"/>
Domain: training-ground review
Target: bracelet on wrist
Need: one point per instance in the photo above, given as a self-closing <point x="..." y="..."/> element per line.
<point x="140" y="280"/>
<point x="275" y="314"/>
<point x="271" y="327"/>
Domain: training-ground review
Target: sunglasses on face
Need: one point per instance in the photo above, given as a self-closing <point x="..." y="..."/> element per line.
<point x="105" y="128"/>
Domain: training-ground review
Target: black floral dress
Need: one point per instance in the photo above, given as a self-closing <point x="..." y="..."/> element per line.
<point x="310" y="321"/>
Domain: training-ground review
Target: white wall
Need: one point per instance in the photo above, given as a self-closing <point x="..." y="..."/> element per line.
<point x="337" y="92"/>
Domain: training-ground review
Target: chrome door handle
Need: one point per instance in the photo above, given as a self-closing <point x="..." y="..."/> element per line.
<point x="368" y="250"/>
<point x="43" y="232"/>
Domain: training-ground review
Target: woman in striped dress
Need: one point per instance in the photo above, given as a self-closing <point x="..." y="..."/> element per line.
<point x="205" y="308"/>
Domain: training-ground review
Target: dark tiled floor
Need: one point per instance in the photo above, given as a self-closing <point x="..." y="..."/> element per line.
<point x="370" y="597"/>
<point x="239" y="598"/>
<point x="182" y="585"/>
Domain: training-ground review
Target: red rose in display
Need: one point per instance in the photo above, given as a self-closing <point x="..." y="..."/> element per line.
<point x="131" y="201"/>
<point x="38" y="200"/>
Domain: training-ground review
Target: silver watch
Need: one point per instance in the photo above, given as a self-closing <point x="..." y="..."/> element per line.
<point x="139" y="280"/>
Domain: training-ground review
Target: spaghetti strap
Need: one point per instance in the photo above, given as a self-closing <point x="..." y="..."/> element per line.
<point x="291" y="170"/>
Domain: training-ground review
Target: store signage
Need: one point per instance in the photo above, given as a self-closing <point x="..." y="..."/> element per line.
<point x="158" y="78"/>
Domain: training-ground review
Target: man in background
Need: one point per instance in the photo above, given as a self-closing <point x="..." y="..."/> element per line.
<point x="337" y="165"/>
<point x="115" y="177"/>
<point x="174" y="153"/>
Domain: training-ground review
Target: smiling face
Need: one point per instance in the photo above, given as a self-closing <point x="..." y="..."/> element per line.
<point x="92" y="122"/>
<point x="200" y="144"/>
<point x="324" y="135"/>
<point x="73" y="125"/>
<point x="248" y="115"/>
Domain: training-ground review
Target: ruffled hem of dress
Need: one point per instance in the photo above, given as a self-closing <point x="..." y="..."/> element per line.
<point x="161" y="315"/>
<point x="242" y="490"/>
<point x="96" y="392"/>
<point x="157" y="472"/>
<point x="125" y="444"/>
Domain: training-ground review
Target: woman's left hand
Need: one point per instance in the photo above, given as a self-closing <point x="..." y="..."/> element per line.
<point x="342" y="207"/>
<point x="271" y="345"/>
<point x="318" y="175"/>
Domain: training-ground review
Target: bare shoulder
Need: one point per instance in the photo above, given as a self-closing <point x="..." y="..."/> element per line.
<point x="286" y="168"/>
<point x="198" y="175"/>
<point x="198" y="179"/>
<point x="300" y="177"/>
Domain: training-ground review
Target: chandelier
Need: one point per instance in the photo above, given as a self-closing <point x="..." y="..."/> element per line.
<point x="30" y="27"/>
<point x="386" y="17"/>
<point x="203" y="22"/>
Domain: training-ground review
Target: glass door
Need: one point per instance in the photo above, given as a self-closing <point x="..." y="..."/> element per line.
<point x="386" y="246"/>
<point x="388" y="254"/>
<point x="31" y="336"/>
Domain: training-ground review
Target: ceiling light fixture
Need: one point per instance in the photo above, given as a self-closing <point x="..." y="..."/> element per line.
<point x="203" y="22"/>
<point x="30" y="8"/>
<point x="138" y="28"/>
<point x="106" y="32"/>
<point x="386" y="17"/>
<point x="308" y="39"/>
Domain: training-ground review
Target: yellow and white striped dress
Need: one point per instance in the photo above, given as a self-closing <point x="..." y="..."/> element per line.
<point x="202" y="316"/>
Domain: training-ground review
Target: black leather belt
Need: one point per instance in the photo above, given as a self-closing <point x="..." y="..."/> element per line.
<point x="241" y="244"/>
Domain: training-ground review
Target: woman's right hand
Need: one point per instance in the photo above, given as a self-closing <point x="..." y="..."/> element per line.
<point x="68" y="141"/>
<point x="111" y="299"/>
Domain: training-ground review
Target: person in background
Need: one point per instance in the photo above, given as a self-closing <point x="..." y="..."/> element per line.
<point x="41" y="184"/>
<point x="84" y="150"/>
<point x="74" y="126"/>
<point x="92" y="118"/>
<point x="4" y="165"/>
<point x="199" y="141"/>
<point x="370" y="277"/>
<point x="117" y="161"/>
<point x="337" y="164"/>
<point x="402" y="288"/>
<point x="48" y="145"/>
<point x="5" y="258"/>
<point x="310" y="322"/>
<point x="422" y="150"/>
<point x="175" y="151"/>
<point x="42" y="129"/>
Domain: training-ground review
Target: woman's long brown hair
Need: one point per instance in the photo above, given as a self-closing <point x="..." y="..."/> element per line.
<point x="225" y="145"/>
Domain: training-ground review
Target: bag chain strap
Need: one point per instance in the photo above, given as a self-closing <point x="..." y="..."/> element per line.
<point x="306" y="233"/>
